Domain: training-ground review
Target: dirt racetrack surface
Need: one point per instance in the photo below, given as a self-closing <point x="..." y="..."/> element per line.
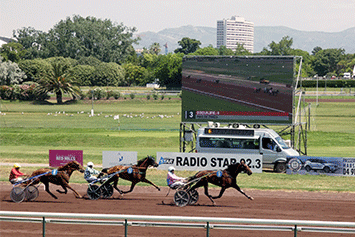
<point x="283" y="205"/>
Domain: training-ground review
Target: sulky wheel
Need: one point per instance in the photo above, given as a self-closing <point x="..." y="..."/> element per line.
<point x="31" y="193"/>
<point x="193" y="196"/>
<point x="17" y="194"/>
<point x="94" y="192"/>
<point x="106" y="191"/>
<point x="181" y="198"/>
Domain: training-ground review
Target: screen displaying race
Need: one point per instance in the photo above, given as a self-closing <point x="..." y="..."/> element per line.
<point x="247" y="89"/>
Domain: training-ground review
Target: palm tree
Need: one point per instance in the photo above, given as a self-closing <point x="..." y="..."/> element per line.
<point x="55" y="80"/>
<point x="155" y="48"/>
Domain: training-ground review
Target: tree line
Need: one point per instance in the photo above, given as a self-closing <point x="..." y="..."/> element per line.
<point x="88" y="51"/>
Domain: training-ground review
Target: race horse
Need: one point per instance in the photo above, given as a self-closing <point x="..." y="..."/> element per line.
<point x="61" y="178"/>
<point x="226" y="178"/>
<point x="135" y="173"/>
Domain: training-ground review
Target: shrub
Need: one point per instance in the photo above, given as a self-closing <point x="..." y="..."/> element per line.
<point x="116" y="95"/>
<point x="109" y="94"/>
<point x="148" y="97"/>
<point x="155" y="96"/>
<point x="329" y="83"/>
<point x="6" y="92"/>
<point x="162" y="97"/>
<point x="132" y="95"/>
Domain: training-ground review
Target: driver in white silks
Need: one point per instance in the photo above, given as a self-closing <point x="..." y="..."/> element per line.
<point x="90" y="172"/>
<point x="173" y="180"/>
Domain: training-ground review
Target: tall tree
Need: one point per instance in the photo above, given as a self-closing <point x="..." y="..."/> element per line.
<point x="281" y="48"/>
<point x="188" y="45"/>
<point x="240" y="50"/>
<point x="316" y="50"/>
<point x="206" y="51"/>
<point x="78" y="37"/>
<point x="168" y="70"/>
<point x="12" y="51"/>
<point x="326" y="61"/>
<point x="223" y="50"/>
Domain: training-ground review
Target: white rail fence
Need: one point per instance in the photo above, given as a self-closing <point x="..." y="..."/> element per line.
<point x="178" y="222"/>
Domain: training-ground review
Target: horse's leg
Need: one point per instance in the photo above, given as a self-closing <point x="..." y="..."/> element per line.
<point x="131" y="189"/>
<point x="64" y="188"/>
<point x="220" y="193"/>
<point x="66" y="185"/>
<point x="241" y="191"/>
<point x="115" y="185"/>
<point x="46" y="185"/>
<point x="149" y="182"/>
<point x="207" y="194"/>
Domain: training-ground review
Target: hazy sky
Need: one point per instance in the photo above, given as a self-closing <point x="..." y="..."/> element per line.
<point x="156" y="15"/>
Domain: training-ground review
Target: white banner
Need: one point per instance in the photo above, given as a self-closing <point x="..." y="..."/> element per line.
<point x="206" y="161"/>
<point x="112" y="158"/>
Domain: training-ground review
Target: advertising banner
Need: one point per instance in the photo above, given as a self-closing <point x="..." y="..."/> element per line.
<point x="334" y="166"/>
<point x="61" y="157"/>
<point x="206" y="161"/>
<point x="113" y="158"/>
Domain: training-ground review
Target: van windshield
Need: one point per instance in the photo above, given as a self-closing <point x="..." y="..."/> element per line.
<point x="233" y="143"/>
<point x="282" y="143"/>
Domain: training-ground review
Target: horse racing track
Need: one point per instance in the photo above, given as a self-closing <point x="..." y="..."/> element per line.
<point x="287" y="205"/>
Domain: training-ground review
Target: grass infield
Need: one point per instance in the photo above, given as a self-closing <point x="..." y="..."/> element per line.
<point x="29" y="130"/>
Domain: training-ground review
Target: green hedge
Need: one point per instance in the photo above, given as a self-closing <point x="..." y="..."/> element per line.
<point x="329" y="83"/>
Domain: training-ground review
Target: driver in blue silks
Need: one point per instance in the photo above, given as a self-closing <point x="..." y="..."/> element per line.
<point x="90" y="172"/>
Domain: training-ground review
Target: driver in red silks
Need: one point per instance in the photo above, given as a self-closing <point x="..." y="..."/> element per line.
<point x="15" y="174"/>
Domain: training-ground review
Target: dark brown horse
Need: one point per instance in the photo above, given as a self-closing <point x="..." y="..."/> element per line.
<point x="61" y="178"/>
<point x="226" y="178"/>
<point x="135" y="173"/>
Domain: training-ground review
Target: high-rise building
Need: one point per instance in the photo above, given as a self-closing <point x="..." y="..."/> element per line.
<point x="234" y="31"/>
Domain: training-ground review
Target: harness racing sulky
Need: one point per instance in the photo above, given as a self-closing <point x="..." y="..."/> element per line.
<point x="60" y="176"/>
<point x="187" y="194"/>
<point x="135" y="174"/>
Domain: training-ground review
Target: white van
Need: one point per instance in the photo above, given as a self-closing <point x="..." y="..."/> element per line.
<point x="347" y="75"/>
<point x="242" y="140"/>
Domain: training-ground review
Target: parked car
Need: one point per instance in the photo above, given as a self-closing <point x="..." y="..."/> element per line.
<point x="319" y="164"/>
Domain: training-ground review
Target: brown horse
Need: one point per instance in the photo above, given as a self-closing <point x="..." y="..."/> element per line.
<point x="135" y="173"/>
<point x="61" y="178"/>
<point x="227" y="178"/>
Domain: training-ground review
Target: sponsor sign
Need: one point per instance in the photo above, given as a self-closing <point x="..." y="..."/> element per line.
<point x="334" y="166"/>
<point x="112" y="158"/>
<point x="206" y="161"/>
<point x="61" y="157"/>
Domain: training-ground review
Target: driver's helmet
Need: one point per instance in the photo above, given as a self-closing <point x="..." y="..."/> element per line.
<point x="16" y="165"/>
<point x="171" y="168"/>
<point x="90" y="164"/>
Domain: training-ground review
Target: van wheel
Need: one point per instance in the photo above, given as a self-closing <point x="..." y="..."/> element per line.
<point x="280" y="167"/>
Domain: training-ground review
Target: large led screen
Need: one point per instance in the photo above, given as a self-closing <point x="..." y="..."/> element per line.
<point x="247" y="89"/>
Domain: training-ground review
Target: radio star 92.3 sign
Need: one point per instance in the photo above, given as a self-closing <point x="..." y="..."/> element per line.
<point x="206" y="161"/>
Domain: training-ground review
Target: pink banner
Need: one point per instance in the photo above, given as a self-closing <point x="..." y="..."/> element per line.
<point x="61" y="157"/>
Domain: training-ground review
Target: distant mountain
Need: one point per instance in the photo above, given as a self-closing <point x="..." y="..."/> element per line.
<point x="263" y="36"/>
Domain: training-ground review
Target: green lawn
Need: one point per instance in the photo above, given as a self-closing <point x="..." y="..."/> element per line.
<point x="29" y="130"/>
